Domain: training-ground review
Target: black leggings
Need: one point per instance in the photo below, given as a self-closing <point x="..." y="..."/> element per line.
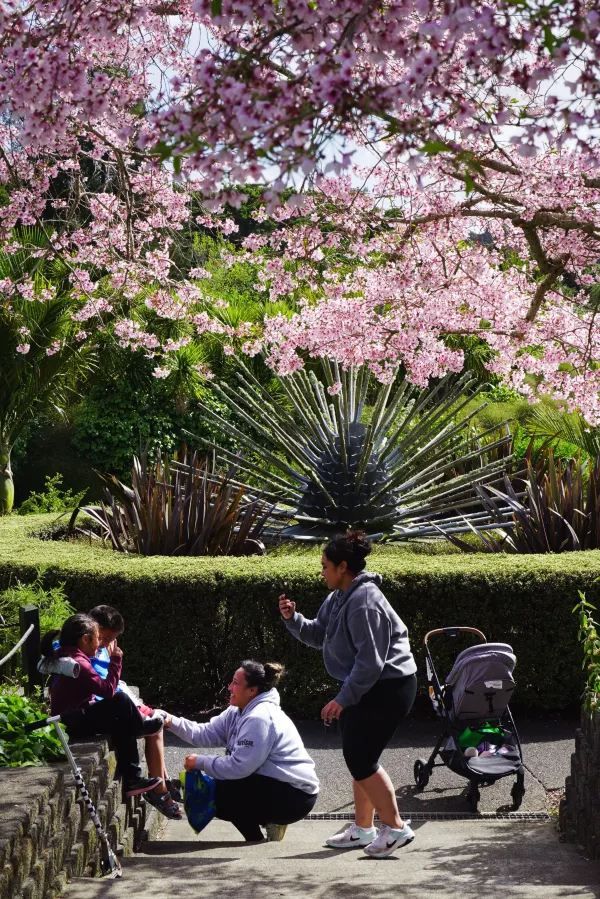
<point x="117" y="718"/>
<point x="368" y="726"/>
<point x="257" y="799"/>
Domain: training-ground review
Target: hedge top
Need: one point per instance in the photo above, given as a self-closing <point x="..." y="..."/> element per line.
<point x="21" y="549"/>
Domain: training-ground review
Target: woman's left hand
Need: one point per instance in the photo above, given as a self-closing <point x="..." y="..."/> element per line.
<point x="190" y="762"/>
<point x="331" y="711"/>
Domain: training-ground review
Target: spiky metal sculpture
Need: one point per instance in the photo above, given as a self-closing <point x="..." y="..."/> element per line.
<point x="403" y="465"/>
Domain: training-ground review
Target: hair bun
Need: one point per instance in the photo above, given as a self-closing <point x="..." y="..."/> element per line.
<point x="360" y="540"/>
<point x="274" y="671"/>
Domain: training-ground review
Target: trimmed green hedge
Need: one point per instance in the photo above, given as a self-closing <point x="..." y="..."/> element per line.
<point x="190" y="621"/>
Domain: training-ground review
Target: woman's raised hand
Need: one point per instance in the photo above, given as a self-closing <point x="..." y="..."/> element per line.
<point x="286" y="607"/>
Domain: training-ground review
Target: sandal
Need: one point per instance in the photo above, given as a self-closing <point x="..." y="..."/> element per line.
<point x="174" y="788"/>
<point x="165" y="804"/>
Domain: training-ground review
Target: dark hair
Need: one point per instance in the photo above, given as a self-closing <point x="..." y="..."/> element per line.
<point x="74" y="628"/>
<point x="353" y="547"/>
<point x="108" y="617"/>
<point x="262" y="676"/>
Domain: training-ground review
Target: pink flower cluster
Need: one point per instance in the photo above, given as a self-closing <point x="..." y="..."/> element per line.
<point x="415" y="261"/>
<point x="496" y="238"/>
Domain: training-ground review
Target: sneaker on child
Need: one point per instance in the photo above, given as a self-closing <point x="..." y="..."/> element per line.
<point x="353" y="837"/>
<point x="389" y="839"/>
<point x="151" y="726"/>
<point x="138" y="785"/>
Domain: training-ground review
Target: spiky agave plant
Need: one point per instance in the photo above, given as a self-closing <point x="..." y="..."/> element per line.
<point x="398" y="465"/>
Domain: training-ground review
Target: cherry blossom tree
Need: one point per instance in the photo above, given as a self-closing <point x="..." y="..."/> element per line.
<point x="249" y="85"/>
<point x="390" y="273"/>
<point x="95" y="97"/>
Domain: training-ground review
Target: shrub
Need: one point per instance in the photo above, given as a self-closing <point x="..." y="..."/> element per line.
<point x="110" y="428"/>
<point x="189" y="621"/>
<point x="590" y="641"/>
<point x="51" y="499"/>
<point x="52" y="603"/>
<point x="558" y="511"/>
<point x="19" y="749"/>
<point x="181" y="508"/>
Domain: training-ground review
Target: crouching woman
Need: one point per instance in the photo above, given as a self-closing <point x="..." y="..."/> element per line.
<point x="266" y="777"/>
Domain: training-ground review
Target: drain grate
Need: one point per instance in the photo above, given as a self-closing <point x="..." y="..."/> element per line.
<point x="443" y="816"/>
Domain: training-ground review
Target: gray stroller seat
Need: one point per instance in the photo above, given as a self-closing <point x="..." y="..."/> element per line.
<point x="481" y="681"/>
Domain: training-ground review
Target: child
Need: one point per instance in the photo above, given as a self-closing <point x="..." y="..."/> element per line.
<point x="111" y="625"/>
<point x="116" y="716"/>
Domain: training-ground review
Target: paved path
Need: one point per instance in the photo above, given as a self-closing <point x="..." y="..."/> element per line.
<point x="547" y="748"/>
<point x="454" y="853"/>
<point x="496" y="859"/>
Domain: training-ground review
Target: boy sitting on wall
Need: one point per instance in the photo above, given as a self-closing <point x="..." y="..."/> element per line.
<point x="111" y="625"/>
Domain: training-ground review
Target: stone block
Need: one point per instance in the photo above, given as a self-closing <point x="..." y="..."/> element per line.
<point x="46" y="835"/>
<point x="579" y="815"/>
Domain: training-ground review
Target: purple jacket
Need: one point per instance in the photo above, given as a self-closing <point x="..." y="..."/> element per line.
<point x="70" y="693"/>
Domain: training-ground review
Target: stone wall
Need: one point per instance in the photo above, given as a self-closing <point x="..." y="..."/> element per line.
<point x="579" y="819"/>
<point x="46" y="835"/>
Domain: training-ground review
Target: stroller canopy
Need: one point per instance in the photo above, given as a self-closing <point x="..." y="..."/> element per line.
<point x="481" y="680"/>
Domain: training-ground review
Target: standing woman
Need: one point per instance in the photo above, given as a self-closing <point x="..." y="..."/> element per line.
<point x="365" y="646"/>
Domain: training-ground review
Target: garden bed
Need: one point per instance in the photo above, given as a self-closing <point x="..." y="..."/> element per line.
<point x="190" y="620"/>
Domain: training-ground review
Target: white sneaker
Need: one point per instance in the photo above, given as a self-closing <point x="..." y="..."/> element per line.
<point x="353" y="837"/>
<point x="389" y="839"/>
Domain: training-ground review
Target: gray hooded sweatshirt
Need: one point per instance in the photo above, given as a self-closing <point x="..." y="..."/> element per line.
<point x="260" y="739"/>
<point x="362" y="638"/>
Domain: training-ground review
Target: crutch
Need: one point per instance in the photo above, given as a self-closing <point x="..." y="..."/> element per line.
<point x="109" y="863"/>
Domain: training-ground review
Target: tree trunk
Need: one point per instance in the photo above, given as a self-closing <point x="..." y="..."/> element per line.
<point x="7" y="487"/>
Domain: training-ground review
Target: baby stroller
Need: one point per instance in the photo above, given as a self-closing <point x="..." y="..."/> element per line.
<point x="479" y="739"/>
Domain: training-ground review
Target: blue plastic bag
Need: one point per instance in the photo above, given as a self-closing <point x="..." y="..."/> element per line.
<point x="198" y="798"/>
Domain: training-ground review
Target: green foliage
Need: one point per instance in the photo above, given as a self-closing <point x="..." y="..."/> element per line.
<point x="129" y="412"/>
<point x="180" y="507"/>
<point x="48" y="374"/>
<point x="558" y="509"/>
<point x="589" y="635"/>
<point x="553" y="426"/>
<point x="533" y="427"/>
<point x="53" y="498"/>
<point x="189" y="621"/>
<point x="19" y="749"/>
<point x="51" y="601"/>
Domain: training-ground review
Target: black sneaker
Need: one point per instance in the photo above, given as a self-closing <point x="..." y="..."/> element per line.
<point x="151" y="726"/>
<point x="141" y="785"/>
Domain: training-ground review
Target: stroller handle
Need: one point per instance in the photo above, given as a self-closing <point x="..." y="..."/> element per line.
<point x="452" y="632"/>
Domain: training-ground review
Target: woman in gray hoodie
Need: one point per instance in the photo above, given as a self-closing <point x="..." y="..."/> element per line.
<point x="365" y="647"/>
<point x="266" y="776"/>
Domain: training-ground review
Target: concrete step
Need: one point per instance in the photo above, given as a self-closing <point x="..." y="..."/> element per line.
<point x="447" y="859"/>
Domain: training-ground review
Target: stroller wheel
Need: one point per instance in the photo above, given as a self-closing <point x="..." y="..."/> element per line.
<point x="422" y="774"/>
<point x="518" y="790"/>
<point x="473" y="796"/>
